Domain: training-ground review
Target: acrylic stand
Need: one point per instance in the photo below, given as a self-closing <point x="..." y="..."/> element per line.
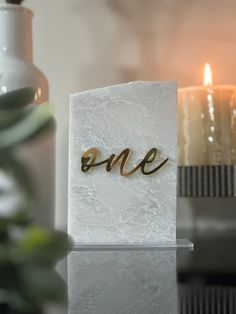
<point x="179" y="244"/>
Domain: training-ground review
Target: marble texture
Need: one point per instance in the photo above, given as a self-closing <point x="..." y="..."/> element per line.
<point x="122" y="282"/>
<point x="106" y="208"/>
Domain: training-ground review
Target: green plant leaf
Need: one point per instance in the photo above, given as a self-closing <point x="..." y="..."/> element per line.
<point x="14" y="1"/>
<point x="43" y="247"/>
<point x="10" y="117"/>
<point x="17" y="99"/>
<point x="34" y="238"/>
<point x="27" y="127"/>
<point x="43" y="285"/>
<point x="19" y="186"/>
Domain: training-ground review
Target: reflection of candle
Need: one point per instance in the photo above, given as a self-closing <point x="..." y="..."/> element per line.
<point x="207" y="124"/>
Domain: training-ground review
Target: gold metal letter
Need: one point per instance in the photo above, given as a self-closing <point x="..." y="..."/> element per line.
<point x="89" y="157"/>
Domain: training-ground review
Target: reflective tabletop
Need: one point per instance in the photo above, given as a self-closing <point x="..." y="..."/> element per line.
<point x="160" y="281"/>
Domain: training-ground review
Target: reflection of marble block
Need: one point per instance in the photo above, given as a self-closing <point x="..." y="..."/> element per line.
<point x="105" y="207"/>
<point x="135" y="282"/>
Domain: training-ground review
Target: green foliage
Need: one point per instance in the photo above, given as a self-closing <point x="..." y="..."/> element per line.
<point x="17" y="99"/>
<point x="20" y="122"/>
<point x="28" y="253"/>
<point x="14" y="1"/>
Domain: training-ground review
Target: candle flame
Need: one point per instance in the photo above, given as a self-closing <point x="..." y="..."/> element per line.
<point x="207" y="79"/>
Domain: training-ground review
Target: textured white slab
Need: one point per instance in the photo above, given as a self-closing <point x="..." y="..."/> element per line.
<point x="135" y="282"/>
<point x="106" y="208"/>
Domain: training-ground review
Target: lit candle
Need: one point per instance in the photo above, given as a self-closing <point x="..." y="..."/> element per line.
<point x="207" y="123"/>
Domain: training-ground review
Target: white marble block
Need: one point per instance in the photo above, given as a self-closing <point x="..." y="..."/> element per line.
<point x="106" y="207"/>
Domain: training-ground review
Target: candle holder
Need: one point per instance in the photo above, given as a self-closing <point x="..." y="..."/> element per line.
<point x="207" y="141"/>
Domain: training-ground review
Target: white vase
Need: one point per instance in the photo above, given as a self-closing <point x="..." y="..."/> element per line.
<point x="16" y="67"/>
<point x="16" y="71"/>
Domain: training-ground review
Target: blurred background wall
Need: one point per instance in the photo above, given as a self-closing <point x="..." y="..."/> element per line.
<point x="82" y="44"/>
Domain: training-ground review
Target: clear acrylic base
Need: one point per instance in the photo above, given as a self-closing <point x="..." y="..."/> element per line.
<point x="179" y="244"/>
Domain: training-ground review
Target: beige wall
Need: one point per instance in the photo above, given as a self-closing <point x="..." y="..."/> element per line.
<point x="82" y="44"/>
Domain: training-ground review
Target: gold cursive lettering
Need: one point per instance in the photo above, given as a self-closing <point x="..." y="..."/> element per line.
<point x="89" y="157"/>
